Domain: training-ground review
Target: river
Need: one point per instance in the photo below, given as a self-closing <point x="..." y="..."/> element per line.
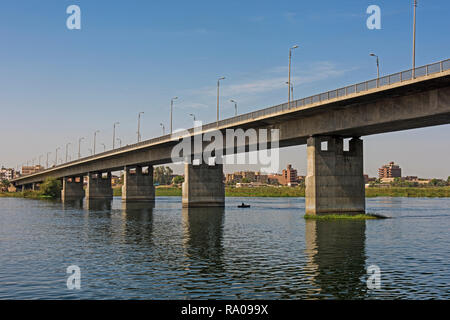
<point x="268" y="251"/>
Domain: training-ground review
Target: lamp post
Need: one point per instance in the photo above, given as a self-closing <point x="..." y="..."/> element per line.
<point x="218" y="85"/>
<point x="289" y="79"/>
<point x="139" y="126"/>
<point x="171" y="113"/>
<point x="291" y="88"/>
<point x="104" y="147"/>
<point x="79" y="144"/>
<point x="163" y="128"/>
<point x="378" y="67"/>
<point x="40" y="157"/>
<point x="47" y="159"/>
<point x="114" y="133"/>
<point x="235" y="106"/>
<point x="414" y="42"/>
<point x="95" y="138"/>
<point x="120" y="142"/>
<point x="90" y="151"/>
<point x="192" y="115"/>
<point x="56" y="156"/>
<point x="67" y="150"/>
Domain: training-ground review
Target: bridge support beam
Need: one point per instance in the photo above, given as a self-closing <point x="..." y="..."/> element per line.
<point x="99" y="187"/>
<point x="335" y="180"/>
<point x="72" y="188"/>
<point x="138" y="186"/>
<point x="203" y="186"/>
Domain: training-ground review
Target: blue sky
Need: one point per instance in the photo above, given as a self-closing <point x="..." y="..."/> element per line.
<point x="57" y="85"/>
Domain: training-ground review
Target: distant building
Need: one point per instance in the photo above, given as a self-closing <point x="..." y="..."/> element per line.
<point x="390" y="170"/>
<point x="288" y="177"/>
<point x="247" y="176"/>
<point x="31" y="169"/>
<point x="7" y="174"/>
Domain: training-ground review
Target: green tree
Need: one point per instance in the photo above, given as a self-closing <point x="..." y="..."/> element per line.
<point x="178" y="180"/>
<point x="437" y="183"/>
<point x="4" y="184"/>
<point x="448" y="181"/>
<point x="51" y="188"/>
<point x="162" y="175"/>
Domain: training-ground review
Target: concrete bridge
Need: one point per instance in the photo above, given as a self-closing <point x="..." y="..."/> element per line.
<point x="334" y="183"/>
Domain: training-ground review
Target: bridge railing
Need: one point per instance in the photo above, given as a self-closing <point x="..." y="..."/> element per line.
<point x="418" y="72"/>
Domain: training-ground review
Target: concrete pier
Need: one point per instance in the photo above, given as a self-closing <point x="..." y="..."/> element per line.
<point x="203" y="186"/>
<point x="99" y="187"/>
<point x="335" y="180"/>
<point x="138" y="186"/>
<point x="72" y="189"/>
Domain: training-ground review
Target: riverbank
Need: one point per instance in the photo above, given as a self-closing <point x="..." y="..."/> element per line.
<point x="275" y="192"/>
<point x="296" y="192"/>
<point x="27" y="194"/>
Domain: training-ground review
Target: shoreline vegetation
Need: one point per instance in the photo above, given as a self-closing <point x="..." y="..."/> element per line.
<point x="274" y="192"/>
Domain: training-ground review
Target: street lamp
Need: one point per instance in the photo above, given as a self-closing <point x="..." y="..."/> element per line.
<point x="378" y="67"/>
<point x="139" y="126"/>
<point x="414" y="42"/>
<point x="95" y="138"/>
<point x="56" y="156"/>
<point x="104" y="147"/>
<point x="90" y="151"/>
<point x="292" y="89"/>
<point x="47" y="159"/>
<point x="171" y="113"/>
<point x="218" y="84"/>
<point x="79" y="144"/>
<point x="289" y="80"/>
<point x="114" y="134"/>
<point x="120" y="142"/>
<point x="192" y="115"/>
<point x="235" y="106"/>
<point x="67" y="150"/>
<point x="41" y="156"/>
<point x="163" y="128"/>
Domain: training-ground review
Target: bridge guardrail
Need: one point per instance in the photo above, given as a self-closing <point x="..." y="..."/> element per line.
<point x="421" y="71"/>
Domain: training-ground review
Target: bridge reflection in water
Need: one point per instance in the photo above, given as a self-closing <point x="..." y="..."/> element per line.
<point x="203" y="236"/>
<point x="336" y="258"/>
<point x="195" y="251"/>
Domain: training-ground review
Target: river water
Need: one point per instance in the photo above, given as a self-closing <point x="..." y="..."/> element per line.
<point x="268" y="251"/>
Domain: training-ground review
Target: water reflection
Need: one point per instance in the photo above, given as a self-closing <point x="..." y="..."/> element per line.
<point x="137" y="222"/>
<point x="336" y="258"/>
<point x="203" y="236"/>
<point x="72" y="204"/>
<point x="98" y="204"/>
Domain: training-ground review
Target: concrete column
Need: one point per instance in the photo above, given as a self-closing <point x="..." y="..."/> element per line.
<point x="203" y="186"/>
<point x="72" y="189"/>
<point x="335" y="180"/>
<point x="138" y="186"/>
<point x="99" y="187"/>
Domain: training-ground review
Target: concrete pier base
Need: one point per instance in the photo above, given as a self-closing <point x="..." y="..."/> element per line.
<point x="335" y="180"/>
<point x="99" y="187"/>
<point x="138" y="186"/>
<point x="72" y="189"/>
<point x="203" y="186"/>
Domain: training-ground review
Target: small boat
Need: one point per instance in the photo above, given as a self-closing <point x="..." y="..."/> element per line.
<point x="243" y="205"/>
